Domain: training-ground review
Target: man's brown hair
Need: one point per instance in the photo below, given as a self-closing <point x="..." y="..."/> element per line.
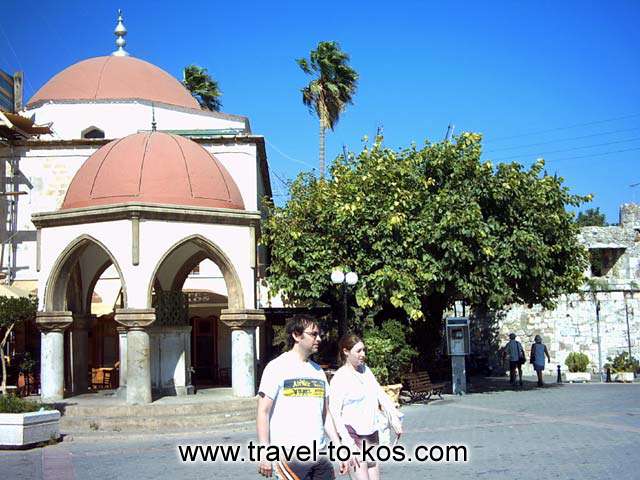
<point x="297" y="325"/>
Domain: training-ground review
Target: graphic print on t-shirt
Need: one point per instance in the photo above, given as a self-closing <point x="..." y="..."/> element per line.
<point x="303" y="387"/>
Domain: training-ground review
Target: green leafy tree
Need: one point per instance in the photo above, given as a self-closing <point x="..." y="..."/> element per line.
<point x="204" y="88"/>
<point x="13" y="311"/>
<point x="388" y="353"/>
<point x="591" y="218"/>
<point x="331" y="90"/>
<point x="423" y="227"/>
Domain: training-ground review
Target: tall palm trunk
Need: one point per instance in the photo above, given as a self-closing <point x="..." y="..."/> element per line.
<point x="322" y="139"/>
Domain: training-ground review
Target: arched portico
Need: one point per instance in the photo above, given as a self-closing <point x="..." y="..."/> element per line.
<point x="67" y="305"/>
<point x="170" y="274"/>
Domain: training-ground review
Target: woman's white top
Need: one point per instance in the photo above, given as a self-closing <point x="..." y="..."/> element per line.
<point x="353" y="400"/>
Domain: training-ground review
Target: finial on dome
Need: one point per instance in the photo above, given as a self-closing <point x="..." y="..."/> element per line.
<point x="120" y="32"/>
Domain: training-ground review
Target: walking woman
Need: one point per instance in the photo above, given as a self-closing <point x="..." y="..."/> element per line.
<point x="538" y="352"/>
<point x="355" y="397"/>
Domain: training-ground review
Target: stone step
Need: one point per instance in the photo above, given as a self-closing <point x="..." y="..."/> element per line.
<point x="141" y="423"/>
<point x="160" y="410"/>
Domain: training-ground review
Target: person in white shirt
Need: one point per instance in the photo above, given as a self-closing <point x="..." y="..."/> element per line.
<point x="292" y="406"/>
<point x="354" y="401"/>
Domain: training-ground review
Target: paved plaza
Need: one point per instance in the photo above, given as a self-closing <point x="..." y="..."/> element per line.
<point x="589" y="431"/>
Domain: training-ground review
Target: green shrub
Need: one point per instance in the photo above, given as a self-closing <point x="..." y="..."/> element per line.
<point x="13" y="404"/>
<point x="388" y="353"/>
<point x="623" y="362"/>
<point x="577" y="362"/>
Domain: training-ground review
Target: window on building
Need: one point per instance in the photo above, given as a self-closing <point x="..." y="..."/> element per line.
<point x="603" y="259"/>
<point x="93" y="132"/>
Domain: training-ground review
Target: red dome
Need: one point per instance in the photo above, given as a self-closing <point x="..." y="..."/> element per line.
<point x="115" y="78"/>
<point x="156" y="168"/>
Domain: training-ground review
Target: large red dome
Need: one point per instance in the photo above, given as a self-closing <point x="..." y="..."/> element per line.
<point x="114" y="78"/>
<point x="155" y="168"/>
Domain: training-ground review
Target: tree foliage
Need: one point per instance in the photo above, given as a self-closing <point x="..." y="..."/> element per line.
<point x="13" y="310"/>
<point x="424" y="227"/>
<point x="204" y="88"/>
<point x="332" y="88"/>
<point x="592" y="217"/>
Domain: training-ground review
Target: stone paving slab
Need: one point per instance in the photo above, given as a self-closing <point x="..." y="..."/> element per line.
<point x="562" y="432"/>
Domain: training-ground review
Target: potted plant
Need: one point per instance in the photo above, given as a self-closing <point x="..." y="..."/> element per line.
<point x="623" y="366"/>
<point x="389" y="355"/>
<point x="24" y="423"/>
<point x="577" y="364"/>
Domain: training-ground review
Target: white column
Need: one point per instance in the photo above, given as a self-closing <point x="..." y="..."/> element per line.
<point x="138" y="362"/>
<point x="138" y="367"/>
<point x="243" y="325"/>
<point x="52" y="325"/>
<point x="243" y="362"/>
<point x="122" y="344"/>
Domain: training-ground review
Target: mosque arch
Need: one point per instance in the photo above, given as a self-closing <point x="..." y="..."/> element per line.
<point x="205" y="249"/>
<point x="97" y="258"/>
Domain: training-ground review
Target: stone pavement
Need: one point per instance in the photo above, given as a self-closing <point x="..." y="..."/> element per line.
<point x="581" y="431"/>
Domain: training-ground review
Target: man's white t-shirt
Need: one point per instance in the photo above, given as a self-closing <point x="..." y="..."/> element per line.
<point x="298" y="390"/>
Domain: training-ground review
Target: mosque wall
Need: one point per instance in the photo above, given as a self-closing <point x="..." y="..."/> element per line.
<point x="121" y="119"/>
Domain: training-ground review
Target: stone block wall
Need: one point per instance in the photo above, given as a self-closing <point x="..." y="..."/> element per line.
<point x="573" y="325"/>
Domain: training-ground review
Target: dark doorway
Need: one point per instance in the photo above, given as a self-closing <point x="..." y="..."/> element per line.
<point x="204" y="355"/>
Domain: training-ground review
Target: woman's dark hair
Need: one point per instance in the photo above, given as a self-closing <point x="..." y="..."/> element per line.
<point x="297" y="324"/>
<point x="346" y="343"/>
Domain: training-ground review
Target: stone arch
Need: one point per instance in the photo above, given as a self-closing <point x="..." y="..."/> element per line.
<point x="55" y="294"/>
<point x="213" y="252"/>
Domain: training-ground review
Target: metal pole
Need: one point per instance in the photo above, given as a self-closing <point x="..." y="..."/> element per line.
<point x="598" y="334"/>
<point x="342" y="329"/>
<point x="626" y="311"/>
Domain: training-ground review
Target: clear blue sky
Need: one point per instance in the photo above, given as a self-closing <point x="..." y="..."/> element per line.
<point x="509" y="70"/>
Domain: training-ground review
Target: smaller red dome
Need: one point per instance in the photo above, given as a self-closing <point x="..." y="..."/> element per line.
<point x="155" y="168"/>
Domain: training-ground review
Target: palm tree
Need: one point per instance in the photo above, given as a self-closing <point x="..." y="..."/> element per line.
<point x="204" y="88"/>
<point x="333" y="88"/>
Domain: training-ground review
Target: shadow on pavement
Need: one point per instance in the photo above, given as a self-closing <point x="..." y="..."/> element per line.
<point x="499" y="384"/>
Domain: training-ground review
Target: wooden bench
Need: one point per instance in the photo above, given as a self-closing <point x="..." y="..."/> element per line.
<point x="419" y="387"/>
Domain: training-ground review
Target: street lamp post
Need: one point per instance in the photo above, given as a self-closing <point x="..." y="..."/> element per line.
<point x="338" y="277"/>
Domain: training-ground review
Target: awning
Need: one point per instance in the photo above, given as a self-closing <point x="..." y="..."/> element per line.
<point x="17" y="127"/>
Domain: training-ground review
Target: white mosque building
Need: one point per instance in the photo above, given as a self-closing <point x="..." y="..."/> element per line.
<point x="139" y="232"/>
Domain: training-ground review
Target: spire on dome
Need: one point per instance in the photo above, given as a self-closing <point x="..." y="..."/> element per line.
<point x="120" y="32"/>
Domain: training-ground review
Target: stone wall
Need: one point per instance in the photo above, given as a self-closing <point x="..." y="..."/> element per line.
<point x="573" y="325"/>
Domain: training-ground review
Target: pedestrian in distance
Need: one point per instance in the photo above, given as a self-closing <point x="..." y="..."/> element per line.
<point x="293" y="407"/>
<point x="514" y="352"/>
<point x="355" y="400"/>
<point x="538" y="352"/>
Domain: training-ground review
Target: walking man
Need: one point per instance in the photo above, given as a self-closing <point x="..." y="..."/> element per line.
<point x="292" y="406"/>
<point x="515" y="353"/>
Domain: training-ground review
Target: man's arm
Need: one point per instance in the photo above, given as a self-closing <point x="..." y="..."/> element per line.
<point x="547" y="353"/>
<point x="262" y="424"/>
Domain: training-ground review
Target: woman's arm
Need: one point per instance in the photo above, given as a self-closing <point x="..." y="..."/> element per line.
<point x="337" y="393"/>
